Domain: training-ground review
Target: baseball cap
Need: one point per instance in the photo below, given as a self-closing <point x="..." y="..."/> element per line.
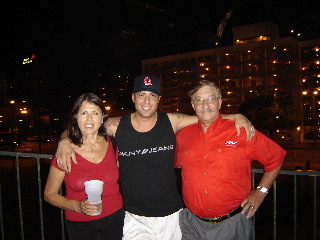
<point x="146" y="83"/>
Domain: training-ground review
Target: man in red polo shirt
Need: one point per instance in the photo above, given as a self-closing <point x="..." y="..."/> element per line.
<point x="216" y="171"/>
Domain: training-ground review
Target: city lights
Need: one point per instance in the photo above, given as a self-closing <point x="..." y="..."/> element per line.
<point x="29" y="60"/>
<point x="23" y="110"/>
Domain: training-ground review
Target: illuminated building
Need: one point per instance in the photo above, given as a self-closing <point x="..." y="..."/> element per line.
<point x="258" y="63"/>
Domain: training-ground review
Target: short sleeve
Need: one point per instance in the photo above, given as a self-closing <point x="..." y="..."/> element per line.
<point x="267" y="152"/>
<point x="55" y="164"/>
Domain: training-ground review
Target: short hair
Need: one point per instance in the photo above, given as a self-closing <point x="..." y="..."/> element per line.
<point x="204" y="83"/>
<point x="74" y="131"/>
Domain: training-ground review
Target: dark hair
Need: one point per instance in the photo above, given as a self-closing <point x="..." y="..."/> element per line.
<point x="73" y="129"/>
<point x="201" y="84"/>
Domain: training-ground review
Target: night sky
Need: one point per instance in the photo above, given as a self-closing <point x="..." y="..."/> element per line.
<point x="81" y="43"/>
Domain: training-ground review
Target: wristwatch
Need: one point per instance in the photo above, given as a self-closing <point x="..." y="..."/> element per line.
<point x="262" y="189"/>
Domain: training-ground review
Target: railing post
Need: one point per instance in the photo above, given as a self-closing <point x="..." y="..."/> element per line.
<point x="40" y="198"/>
<point x="254" y="217"/>
<point x="295" y="207"/>
<point x="1" y="215"/>
<point x="315" y="207"/>
<point x="62" y="220"/>
<point x="19" y="197"/>
<point x="275" y="210"/>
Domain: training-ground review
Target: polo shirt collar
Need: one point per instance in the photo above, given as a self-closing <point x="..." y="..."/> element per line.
<point x="214" y="126"/>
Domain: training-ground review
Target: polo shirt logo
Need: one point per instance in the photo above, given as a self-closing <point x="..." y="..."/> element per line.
<point x="230" y="143"/>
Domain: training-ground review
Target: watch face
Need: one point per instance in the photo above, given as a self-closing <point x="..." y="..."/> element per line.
<point x="263" y="189"/>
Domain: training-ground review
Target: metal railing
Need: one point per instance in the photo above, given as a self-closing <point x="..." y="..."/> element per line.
<point x="17" y="157"/>
<point x="311" y="174"/>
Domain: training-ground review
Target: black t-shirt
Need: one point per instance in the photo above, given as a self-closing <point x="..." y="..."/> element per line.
<point x="148" y="179"/>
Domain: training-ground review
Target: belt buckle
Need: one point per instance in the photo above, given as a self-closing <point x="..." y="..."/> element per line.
<point x="213" y="220"/>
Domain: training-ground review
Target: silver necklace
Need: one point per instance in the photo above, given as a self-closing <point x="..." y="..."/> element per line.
<point x="92" y="148"/>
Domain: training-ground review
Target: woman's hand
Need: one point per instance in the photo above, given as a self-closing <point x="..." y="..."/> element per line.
<point x="88" y="208"/>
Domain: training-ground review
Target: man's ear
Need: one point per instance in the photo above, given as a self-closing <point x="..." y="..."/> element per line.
<point x="192" y="104"/>
<point x="132" y="97"/>
<point x="220" y="103"/>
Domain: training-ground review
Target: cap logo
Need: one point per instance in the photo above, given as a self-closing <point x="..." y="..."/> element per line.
<point x="147" y="81"/>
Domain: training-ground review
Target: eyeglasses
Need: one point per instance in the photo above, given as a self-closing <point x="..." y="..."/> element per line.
<point x="209" y="100"/>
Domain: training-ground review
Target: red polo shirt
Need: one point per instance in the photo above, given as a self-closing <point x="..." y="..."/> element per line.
<point x="216" y="165"/>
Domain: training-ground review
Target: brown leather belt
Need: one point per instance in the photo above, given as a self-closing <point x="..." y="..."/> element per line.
<point x="222" y="218"/>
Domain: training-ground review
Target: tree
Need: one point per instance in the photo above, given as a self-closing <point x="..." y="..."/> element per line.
<point x="269" y="114"/>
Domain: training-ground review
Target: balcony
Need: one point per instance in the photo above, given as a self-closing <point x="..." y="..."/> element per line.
<point x="290" y="210"/>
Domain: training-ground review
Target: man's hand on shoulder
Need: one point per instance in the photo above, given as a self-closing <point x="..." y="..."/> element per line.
<point x="112" y="125"/>
<point x="241" y="122"/>
<point x="64" y="155"/>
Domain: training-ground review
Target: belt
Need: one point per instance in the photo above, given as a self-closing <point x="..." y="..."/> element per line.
<point x="222" y="218"/>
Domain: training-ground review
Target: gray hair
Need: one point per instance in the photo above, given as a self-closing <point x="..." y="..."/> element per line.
<point x="204" y="83"/>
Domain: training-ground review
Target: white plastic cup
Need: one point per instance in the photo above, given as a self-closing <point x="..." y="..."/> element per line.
<point x="94" y="189"/>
